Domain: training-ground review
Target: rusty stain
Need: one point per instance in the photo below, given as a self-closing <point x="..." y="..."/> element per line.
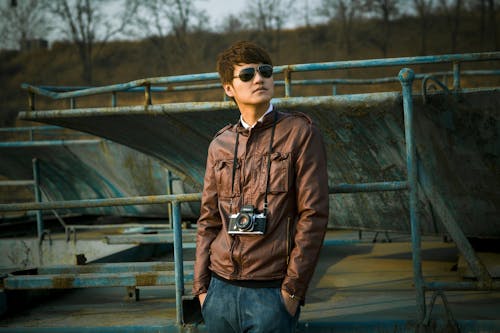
<point x="160" y="266"/>
<point x="63" y="282"/>
<point x="147" y="279"/>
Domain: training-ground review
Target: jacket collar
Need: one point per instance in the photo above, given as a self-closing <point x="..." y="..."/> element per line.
<point x="265" y="122"/>
<point x="244" y="124"/>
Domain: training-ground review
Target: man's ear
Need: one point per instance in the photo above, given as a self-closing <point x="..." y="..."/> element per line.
<point x="228" y="88"/>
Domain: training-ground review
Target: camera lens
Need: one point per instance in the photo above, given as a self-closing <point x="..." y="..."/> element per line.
<point x="244" y="222"/>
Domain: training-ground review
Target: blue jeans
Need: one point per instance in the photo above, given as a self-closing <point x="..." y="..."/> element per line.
<point x="233" y="309"/>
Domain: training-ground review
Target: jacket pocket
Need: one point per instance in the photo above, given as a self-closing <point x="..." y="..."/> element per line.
<point x="279" y="176"/>
<point x="224" y="177"/>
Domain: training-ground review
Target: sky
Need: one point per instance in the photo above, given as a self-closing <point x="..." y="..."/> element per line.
<point x="219" y="9"/>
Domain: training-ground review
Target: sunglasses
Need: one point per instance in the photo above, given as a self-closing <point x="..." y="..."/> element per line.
<point x="248" y="74"/>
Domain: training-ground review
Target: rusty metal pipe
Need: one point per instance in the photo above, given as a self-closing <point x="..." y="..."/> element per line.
<point x="139" y="200"/>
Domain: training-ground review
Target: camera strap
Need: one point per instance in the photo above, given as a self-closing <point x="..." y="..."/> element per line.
<point x="268" y="176"/>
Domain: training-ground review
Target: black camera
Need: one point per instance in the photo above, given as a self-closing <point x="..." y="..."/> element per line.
<point x="248" y="221"/>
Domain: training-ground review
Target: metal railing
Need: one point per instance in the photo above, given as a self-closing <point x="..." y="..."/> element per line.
<point x="406" y="77"/>
<point x="174" y="200"/>
<point x="149" y="85"/>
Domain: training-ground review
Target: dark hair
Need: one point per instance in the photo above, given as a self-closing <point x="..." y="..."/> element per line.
<point x="242" y="52"/>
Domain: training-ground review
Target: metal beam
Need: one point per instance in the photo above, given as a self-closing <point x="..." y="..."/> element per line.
<point x="148" y="239"/>
<point x="369" y="187"/>
<point x="121" y="267"/>
<point x="69" y="281"/>
<point x="17" y="183"/>
<point x="47" y="143"/>
<point x="139" y="200"/>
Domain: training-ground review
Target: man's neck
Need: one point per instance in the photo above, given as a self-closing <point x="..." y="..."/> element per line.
<point x="252" y="113"/>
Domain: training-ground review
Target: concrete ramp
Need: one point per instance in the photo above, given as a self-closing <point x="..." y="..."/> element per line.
<point x="91" y="169"/>
<point x="457" y="140"/>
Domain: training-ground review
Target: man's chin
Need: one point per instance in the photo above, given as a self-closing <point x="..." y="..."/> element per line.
<point x="265" y="97"/>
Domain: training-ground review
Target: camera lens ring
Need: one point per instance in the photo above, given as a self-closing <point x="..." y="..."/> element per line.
<point x="244" y="222"/>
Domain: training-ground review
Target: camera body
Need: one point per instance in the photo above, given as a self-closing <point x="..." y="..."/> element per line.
<point x="247" y="222"/>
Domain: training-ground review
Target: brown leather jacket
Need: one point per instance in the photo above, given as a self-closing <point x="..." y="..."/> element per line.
<point x="298" y="204"/>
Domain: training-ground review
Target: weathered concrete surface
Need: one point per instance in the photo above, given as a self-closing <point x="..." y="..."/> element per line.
<point x="357" y="287"/>
<point x="457" y="142"/>
<point x="91" y="169"/>
<point x="24" y="253"/>
<point x="369" y="287"/>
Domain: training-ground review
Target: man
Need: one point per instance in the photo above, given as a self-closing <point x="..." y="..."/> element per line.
<point x="264" y="207"/>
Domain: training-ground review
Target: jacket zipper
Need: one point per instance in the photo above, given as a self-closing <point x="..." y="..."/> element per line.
<point x="239" y="174"/>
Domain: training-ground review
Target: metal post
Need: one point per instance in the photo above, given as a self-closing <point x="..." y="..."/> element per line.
<point x="178" y="260"/>
<point x="406" y="77"/>
<point x="288" y="82"/>
<point x="38" y="197"/>
<point x="147" y="95"/>
<point x="456" y="76"/>
<point x="31" y="101"/>
<point x="113" y="99"/>
<point x="39" y="217"/>
<point x="169" y="192"/>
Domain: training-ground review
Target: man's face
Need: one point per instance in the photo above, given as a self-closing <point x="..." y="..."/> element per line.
<point x="257" y="91"/>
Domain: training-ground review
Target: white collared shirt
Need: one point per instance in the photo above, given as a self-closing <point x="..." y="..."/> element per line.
<point x="246" y="126"/>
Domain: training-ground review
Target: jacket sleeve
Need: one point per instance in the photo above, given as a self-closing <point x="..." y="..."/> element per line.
<point x="311" y="186"/>
<point x="209" y="225"/>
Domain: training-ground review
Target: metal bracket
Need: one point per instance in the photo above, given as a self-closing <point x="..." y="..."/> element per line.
<point x="133" y="294"/>
<point x="386" y="238"/>
<point x="452" y="325"/>
<point x="46" y="232"/>
<point x="70" y="230"/>
<point x="424" y="86"/>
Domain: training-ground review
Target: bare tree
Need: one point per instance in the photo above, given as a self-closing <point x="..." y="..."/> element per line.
<point x="481" y="7"/>
<point x="269" y="17"/>
<point x="307" y="19"/>
<point x="452" y="10"/>
<point x="22" y="20"/>
<point x="231" y="23"/>
<point x="487" y="21"/>
<point x="158" y="19"/>
<point x="346" y="12"/>
<point x="183" y="15"/>
<point x="493" y="22"/>
<point x="424" y="10"/>
<point x="85" y="24"/>
<point x="385" y="10"/>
